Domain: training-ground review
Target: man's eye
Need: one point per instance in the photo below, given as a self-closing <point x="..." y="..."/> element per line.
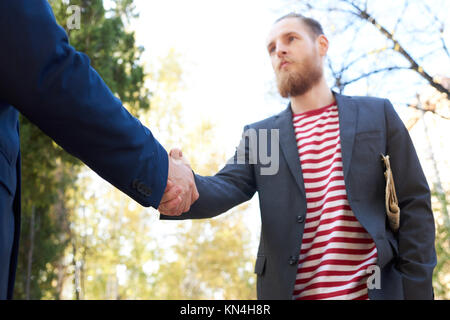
<point x="291" y="38"/>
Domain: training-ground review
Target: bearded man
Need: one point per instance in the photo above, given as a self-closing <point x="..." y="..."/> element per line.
<point x="325" y="233"/>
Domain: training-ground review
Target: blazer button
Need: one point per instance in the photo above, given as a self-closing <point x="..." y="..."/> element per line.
<point x="135" y="183"/>
<point x="148" y="191"/>
<point x="292" y="260"/>
<point x="300" y="219"/>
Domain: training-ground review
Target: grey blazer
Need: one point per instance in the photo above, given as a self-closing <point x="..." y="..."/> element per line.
<point x="368" y="126"/>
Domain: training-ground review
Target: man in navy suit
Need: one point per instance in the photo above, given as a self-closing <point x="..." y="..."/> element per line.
<point x="55" y="87"/>
<point x="323" y="219"/>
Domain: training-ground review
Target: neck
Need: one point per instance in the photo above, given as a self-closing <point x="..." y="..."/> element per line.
<point x="318" y="96"/>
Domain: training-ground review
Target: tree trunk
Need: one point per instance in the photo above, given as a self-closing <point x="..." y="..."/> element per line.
<point x="76" y="278"/>
<point x="30" y="254"/>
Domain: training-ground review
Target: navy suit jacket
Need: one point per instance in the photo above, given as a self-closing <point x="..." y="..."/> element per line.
<point x="55" y="87"/>
<point x="368" y="127"/>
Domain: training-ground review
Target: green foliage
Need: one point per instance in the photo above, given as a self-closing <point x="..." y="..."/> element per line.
<point x="212" y="260"/>
<point x="111" y="48"/>
<point x="442" y="270"/>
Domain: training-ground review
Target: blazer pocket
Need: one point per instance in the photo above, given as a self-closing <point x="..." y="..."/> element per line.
<point x="260" y="265"/>
<point x="368" y="146"/>
<point x="366" y="166"/>
<point x="368" y="134"/>
<point x="394" y="245"/>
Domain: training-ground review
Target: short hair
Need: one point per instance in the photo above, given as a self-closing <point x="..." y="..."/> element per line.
<point x="313" y="25"/>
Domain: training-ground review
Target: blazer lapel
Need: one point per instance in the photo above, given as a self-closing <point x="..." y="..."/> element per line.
<point x="348" y="114"/>
<point x="288" y="145"/>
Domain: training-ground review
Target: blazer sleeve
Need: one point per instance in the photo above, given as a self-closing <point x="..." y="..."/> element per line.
<point x="416" y="235"/>
<point x="232" y="185"/>
<point x="56" y="88"/>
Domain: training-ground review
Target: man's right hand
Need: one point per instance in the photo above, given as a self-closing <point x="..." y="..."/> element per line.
<point x="181" y="191"/>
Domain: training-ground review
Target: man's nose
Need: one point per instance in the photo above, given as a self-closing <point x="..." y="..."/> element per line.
<point x="281" y="50"/>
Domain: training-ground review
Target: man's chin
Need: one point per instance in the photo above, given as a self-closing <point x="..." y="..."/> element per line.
<point x="286" y="88"/>
<point x="283" y="93"/>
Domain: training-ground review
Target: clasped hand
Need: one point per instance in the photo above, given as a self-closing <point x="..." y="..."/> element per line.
<point x="181" y="191"/>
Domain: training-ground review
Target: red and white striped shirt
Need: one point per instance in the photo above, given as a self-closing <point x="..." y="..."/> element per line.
<point x="336" y="250"/>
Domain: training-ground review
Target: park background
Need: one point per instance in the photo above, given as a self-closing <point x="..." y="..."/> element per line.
<point x="195" y="72"/>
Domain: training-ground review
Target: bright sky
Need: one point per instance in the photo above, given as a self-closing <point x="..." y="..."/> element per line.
<point x="222" y="45"/>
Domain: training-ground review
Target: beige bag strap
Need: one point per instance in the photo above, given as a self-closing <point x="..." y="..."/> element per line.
<point x="392" y="208"/>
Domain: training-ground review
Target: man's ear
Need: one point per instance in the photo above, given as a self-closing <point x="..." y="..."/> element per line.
<point x="322" y="43"/>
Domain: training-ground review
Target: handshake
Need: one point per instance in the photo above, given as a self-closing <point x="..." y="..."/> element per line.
<point x="181" y="191"/>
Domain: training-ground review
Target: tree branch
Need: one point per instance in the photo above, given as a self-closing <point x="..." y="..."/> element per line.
<point x="428" y="110"/>
<point x="441" y="29"/>
<point x="399" y="48"/>
<point x="365" y="75"/>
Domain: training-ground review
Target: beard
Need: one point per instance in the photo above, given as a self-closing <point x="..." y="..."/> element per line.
<point x="299" y="80"/>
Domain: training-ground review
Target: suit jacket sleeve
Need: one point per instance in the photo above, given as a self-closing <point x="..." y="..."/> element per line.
<point x="232" y="185"/>
<point x="56" y="88"/>
<point x="416" y="235"/>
